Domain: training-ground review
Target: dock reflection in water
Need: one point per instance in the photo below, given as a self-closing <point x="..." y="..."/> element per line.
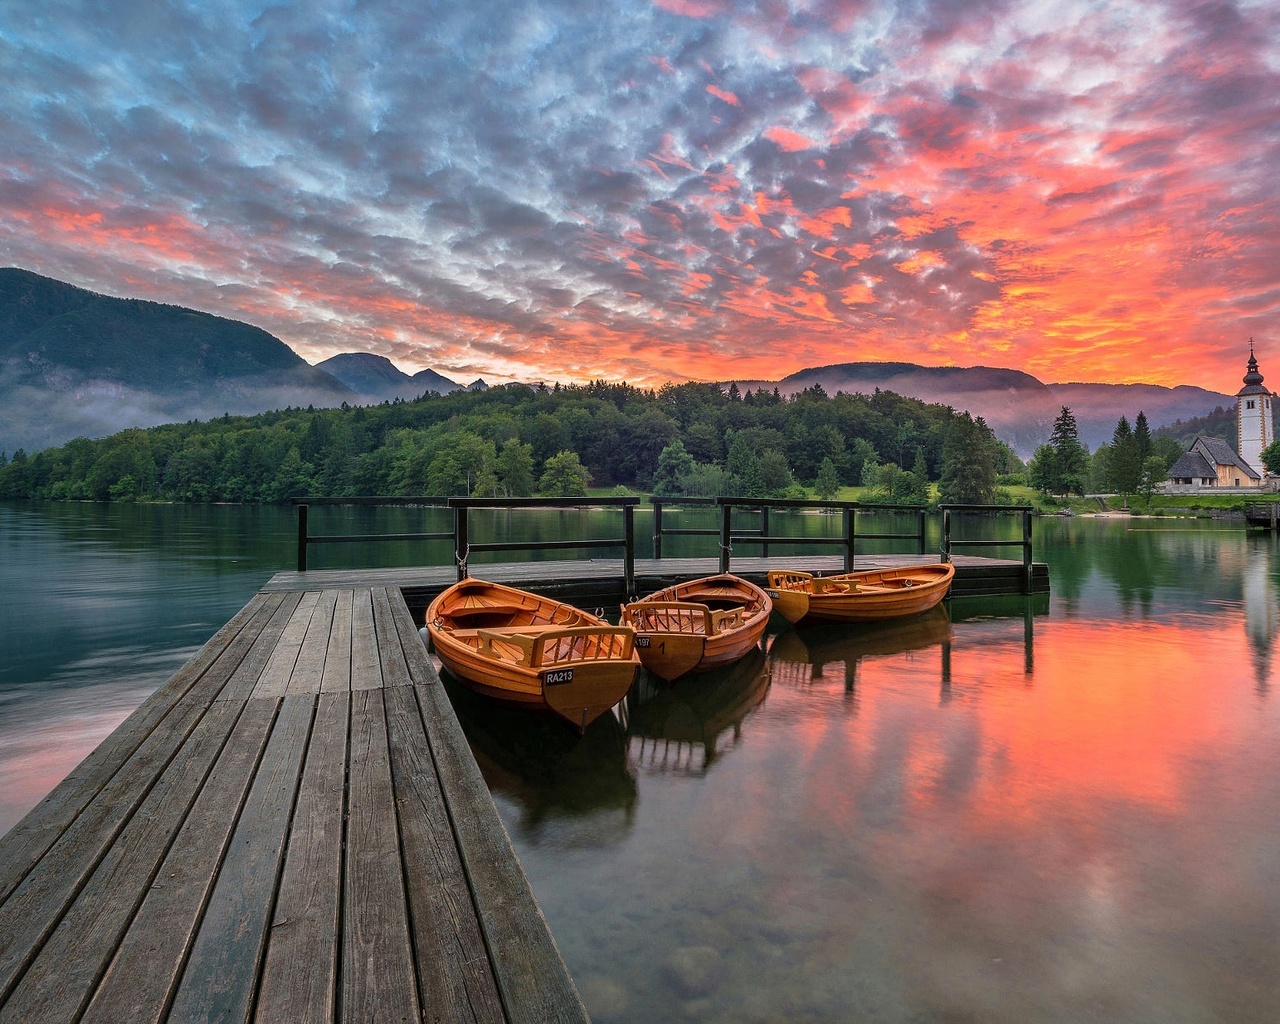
<point x="687" y="725"/>
<point x="582" y="785"/>
<point x="808" y="654"/>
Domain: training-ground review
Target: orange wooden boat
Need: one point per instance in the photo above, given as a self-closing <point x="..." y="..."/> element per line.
<point x="867" y="596"/>
<point x="698" y="625"/>
<point x="532" y="651"/>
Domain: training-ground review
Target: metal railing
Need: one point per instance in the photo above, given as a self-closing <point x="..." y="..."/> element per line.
<point x="306" y="539"/>
<point x="460" y="535"/>
<point x="727" y="535"/>
<point x="948" y="543"/>
<point x="463" y="546"/>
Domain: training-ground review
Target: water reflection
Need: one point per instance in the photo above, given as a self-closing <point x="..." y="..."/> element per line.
<point x="1260" y="582"/>
<point x="573" y="789"/>
<point x="813" y="653"/>
<point x="686" y="726"/>
<point x="1049" y="810"/>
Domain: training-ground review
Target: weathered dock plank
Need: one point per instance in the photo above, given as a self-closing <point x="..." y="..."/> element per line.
<point x="276" y="836"/>
<point x="147" y="965"/>
<point x="299" y="979"/>
<point x="378" y="975"/>
<point x="337" y="660"/>
<point x="57" y="983"/>
<point x="366" y="669"/>
<point x="444" y="926"/>
<point x="32" y="837"/>
<point x="220" y="974"/>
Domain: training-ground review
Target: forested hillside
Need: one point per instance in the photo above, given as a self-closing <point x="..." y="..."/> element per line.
<point x="519" y="440"/>
<point x="1221" y="423"/>
<point x="75" y="362"/>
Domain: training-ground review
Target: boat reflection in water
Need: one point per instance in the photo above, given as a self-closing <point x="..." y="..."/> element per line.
<point x="685" y="726"/>
<point x="799" y="656"/>
<point x="580" y="786"/>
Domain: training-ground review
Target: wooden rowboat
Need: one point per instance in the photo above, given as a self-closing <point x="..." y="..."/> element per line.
<point x="698" y="624"/>
<point x="868" y="596"/>
<point x="532" y="651"/>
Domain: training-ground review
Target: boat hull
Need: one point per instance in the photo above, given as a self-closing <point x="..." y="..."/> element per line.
<point x="698" y="625"/>
<point x="870" y="596"/>
<point x="532" y="652"/>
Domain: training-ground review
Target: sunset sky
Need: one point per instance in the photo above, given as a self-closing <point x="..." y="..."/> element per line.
<point x="652" y="190"/>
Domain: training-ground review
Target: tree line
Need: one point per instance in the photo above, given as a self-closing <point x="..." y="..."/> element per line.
<point x="1134" y="462"/>
<point x="518" y="440"/>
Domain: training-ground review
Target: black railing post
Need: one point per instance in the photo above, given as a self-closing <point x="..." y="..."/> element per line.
<point x="629" y="551"/>
<point x="657" y="527"/>
<point x="764" y="530"/>
<point x="461" y="542"/>
<point x="302" y="538"/>
<point x="726" y="512"/>
<point x="946" y="534"/>
<point x="850" y="526"/>
<point x="921" y="519"/>
<point x="1026" y="552"/>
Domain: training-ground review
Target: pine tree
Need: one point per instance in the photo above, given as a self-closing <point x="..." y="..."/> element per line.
<point x="1061" y="465"/>
<point x="1142" y="436"/>
<point x="968" y="463"/>
<point x="1125" y="467"/>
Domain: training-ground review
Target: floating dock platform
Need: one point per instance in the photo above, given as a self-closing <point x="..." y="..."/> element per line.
<point x="293" y="827"/>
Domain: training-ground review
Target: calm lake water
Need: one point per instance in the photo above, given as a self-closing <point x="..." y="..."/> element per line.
<point x="1057" y="809"/>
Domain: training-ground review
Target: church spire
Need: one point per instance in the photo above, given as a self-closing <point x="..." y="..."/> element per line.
<point x="1253" y="376"/>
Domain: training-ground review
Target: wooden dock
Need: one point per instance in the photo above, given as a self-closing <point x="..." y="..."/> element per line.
<point x="291" y="829"/>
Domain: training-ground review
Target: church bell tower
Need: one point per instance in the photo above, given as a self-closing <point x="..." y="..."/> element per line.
<point x="1253" y="416"/>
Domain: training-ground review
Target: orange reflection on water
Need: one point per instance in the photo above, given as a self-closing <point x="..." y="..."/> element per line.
<point x="1062" y="732"/>
<point x="1117" y="710"/>
<point x="1032" y="821"/>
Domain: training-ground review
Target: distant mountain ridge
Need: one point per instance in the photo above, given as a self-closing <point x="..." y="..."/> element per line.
<point x="76" y="363"/>
<point x="1017" y="406"/>
<point x="377" y="379"/>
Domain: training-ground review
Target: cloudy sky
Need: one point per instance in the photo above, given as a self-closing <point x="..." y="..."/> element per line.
<point x="653" y="190"/>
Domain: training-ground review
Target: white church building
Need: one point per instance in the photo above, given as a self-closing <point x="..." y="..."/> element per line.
<point x="1211" y="462"/>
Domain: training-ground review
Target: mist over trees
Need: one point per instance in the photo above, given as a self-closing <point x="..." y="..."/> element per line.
<point x="514" y="441"/>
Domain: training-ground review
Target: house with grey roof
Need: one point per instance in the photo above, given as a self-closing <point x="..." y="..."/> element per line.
<point x="1211" y="462"/>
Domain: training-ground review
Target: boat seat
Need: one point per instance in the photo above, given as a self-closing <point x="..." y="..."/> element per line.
<point x="730" y="618"/>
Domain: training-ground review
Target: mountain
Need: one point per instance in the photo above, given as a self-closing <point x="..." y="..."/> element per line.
<point x="75" y="363"/>
<point x="1098" y="407"/>
<point x="377" y="379"/>
<point x="1017" y="406"/>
